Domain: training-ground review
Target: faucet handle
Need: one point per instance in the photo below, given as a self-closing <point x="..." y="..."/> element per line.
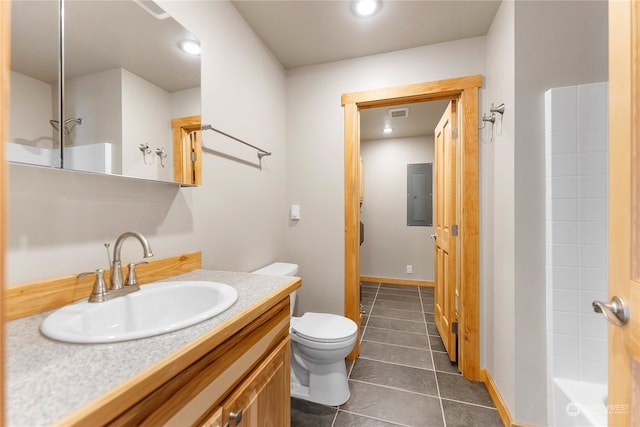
<point x="99" y="292"/>
<point x="132" y="278"/>
<point x="106" y="246"/>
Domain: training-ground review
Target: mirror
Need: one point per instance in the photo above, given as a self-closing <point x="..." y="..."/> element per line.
<point x="125" y="80"/>
<point x="35" y="54"/>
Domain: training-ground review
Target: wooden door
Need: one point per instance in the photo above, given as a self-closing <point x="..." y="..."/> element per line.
<point x="187" y="150"/>
<point x="262" y="400"/>
<point x="445" y="252"/>
<point x="623" y="404"/>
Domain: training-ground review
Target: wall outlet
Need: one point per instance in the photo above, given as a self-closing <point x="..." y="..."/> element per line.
<point x="409" y="269"/>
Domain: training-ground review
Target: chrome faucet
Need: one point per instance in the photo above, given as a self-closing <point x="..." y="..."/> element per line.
<point x="116" y="265"/>
<point x="100" y="293"/>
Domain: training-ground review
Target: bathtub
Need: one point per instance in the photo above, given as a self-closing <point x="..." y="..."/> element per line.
<point x="579" y="403"/>
<point x="88" y="158"/>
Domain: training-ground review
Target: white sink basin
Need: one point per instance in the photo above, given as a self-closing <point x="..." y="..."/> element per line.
<point x="156" y="309"/>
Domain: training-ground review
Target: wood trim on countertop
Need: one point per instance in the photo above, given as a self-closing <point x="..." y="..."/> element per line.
<point x="36" y="297"/>
<point x="393" y="281"/>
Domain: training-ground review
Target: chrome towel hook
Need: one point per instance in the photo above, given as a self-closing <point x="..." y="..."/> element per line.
<point x="487" y="118"/>
<point x="492" y="117"/>
<point x="144" y="148"/>
<point x="499" y="109"/>
<point x="162" y="154"/>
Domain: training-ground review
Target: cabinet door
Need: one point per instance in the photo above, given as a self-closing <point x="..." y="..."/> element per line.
<point x="263" y="398"/>
<point x="214" y="420"/>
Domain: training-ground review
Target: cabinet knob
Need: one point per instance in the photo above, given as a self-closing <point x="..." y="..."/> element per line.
<point x="236" y="416"/>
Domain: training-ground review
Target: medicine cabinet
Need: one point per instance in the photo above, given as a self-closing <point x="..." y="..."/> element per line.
<point x="95" y="86"/>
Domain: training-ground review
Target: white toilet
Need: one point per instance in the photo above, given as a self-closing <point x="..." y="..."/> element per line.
<point x="319" y="344"/>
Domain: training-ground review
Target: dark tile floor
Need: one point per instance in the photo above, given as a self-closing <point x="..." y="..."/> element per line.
<point x="403" y="376"/>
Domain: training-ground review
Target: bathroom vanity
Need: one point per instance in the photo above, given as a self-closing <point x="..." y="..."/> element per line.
<point x="233" y="368"/>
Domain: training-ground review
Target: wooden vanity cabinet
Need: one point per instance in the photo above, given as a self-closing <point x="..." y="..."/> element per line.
<point x="257" y="402"/>
<point x="249" y="371"/>
<point x="214" y="420"/>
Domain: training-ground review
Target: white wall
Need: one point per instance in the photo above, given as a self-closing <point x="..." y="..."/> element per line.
<point x="97" y="99"/>
<point x="31" y="109"/>
<point x="315" y="145"/>
<point x="125" y="110"/>
<point x="389" y="243"/>
<point x="240" y="210"/>
<point x="186" y="102"/>
<point x="58" y="220"/>
<point x="546" y="52"/>
<point x="30" y="133"/>
<point x="549" y="55"/>
<point x="146" y="119"/>
<point x="497" y="214"/>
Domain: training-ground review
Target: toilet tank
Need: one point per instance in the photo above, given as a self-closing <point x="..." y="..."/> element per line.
<point x="278" y="269"/>
<point x="281" y="269"/>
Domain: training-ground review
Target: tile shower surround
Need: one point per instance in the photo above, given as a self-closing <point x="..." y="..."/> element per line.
<point x="403" y="376"/>
<point x="576" y="215"/>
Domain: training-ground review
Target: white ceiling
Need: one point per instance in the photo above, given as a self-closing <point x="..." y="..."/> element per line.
<point x="303" y="33"/>
<point x="99" y="36"/>
<point x="298" y="33"/>
<point x="422" y="120"/>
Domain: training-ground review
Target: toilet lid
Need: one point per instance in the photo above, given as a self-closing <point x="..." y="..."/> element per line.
<point x="324" y="327"/>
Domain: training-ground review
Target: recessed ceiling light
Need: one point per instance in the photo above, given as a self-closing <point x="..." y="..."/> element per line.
<point x="191" y="47"/>
<point x="365" y="8"/>
<point x="387" y="129"/>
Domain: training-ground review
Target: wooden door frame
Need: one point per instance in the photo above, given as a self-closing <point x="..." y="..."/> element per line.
<point x="185" y="169"/>
<point x="466" y="90"/>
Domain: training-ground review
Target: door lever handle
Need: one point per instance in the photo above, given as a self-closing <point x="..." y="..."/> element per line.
<point x="616" y="312"/>
<point x="433" y="236"/>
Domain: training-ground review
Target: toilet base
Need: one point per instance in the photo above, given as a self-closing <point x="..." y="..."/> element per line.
<point x="299" y="391"/>
<point x="330" y="388"/>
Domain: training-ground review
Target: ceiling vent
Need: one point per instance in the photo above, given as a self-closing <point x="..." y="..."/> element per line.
<point x="399" y="113"/>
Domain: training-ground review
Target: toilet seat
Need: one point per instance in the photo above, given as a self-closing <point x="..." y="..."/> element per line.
<point x="324" y="327"/>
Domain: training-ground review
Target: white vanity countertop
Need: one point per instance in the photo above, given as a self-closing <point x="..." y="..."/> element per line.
<point x="48" y="380"/>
